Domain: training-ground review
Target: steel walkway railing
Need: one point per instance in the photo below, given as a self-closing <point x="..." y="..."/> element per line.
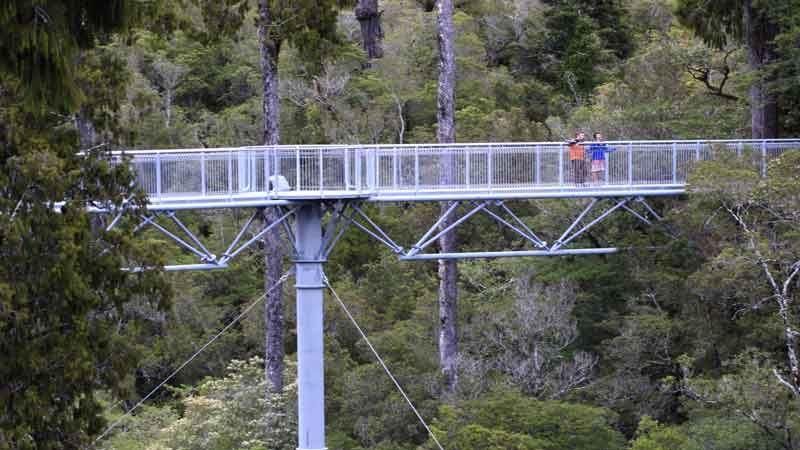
<point x="252" y="176"/>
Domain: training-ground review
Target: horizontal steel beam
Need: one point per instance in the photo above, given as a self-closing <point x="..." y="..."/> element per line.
<point x="419" y="197"/>
<point x="508" y="254"/>
<point x="185" y="267"/>
<point x="156" y="205"/>
<point x="177" y="267"/>
<point x="532" y="194"/>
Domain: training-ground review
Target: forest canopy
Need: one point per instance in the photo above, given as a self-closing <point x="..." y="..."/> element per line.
<point x="684" y="342"/>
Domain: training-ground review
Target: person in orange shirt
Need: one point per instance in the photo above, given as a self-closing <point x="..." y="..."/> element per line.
<point x="577" y="159"/>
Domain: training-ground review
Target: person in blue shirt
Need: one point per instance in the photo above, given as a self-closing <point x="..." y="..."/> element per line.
<point x="598" y="151"/>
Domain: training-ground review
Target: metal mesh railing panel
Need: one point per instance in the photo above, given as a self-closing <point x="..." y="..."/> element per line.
<point x="397" y="170"/>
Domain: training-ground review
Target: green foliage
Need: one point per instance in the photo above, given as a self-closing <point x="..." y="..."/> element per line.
<point x="656" y="98"/>
<point x="62" y="294"/>
<point x="717" y="432"/>
<point x="784" y="69"/>
<point x="510" y="420"/>
<point x="227" y="413"/>
<point x="717" y="22"/>
<point x="654" y="436"/>
<point x="661" y="330"/>
<point x="40" y="41"/>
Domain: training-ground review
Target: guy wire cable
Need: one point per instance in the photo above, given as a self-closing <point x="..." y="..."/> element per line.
<point x="185" y="363"/>
<point x="380" y="361"/>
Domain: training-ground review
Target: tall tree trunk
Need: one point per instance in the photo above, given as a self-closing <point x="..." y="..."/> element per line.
<point x="86" y="131"/>
<point x="273" y="310"/>
<point x="448" y="270"/>
<point x="270" y="51"/>
<point x="369" y="17"/>
<point x="273" y="248"/>
<point x="759" y="33"/>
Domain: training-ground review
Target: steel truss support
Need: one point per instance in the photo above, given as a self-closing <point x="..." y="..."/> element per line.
<point x="512" y="222"/>
<point x="624" y="204"/>
<point x="190" y="242"/>
<point x="343" y="214"/>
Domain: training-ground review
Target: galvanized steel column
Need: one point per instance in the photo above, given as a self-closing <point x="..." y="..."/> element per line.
<point x="310" y="348"/>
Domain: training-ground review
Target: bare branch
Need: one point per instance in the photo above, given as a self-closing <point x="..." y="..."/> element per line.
<point x="786" y="383"/>
<point x="786" y="284"/>
<point x="703" y="74"/>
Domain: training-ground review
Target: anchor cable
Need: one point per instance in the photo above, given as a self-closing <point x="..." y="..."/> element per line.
<point x="185" y="363"/>
<point x="380" y="361"/>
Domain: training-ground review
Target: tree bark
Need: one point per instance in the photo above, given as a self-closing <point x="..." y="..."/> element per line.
<point x="445" y="112"/>
<point x="759" y="33"/>
<point x="270" y="51"/>
<point x="273" y="310"/>
<point x="448" y="270"/>
<point x="273" y="248"/>
<point x="86" y="131"/>
<point x="369" y="17"/>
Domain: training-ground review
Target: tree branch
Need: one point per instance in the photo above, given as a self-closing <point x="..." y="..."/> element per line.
<point x="784" y="382"/>
<point x="702" y="73"/>
<point x="795" y="270"/>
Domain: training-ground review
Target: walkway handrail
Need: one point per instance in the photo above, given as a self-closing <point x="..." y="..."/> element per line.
<point x="134" y="151"/>
<point x="410" y="172"/>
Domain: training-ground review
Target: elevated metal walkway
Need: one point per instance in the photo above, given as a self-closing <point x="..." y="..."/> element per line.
<point x="280" y="175"/>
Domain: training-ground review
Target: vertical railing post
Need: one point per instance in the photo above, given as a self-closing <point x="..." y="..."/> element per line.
<point x="697" y="151"/>
<point x="297" y="167"/>
<point x="321" y="174"/>
<point x="230" y="173"/>
<point x="674" y="163"/>
<point x="251" y="163"/>
<point x="739" y="149"/>
<point x="359" y="156"/>
<point x="266" y="172"/>
<point x="467" y="164"/>
<point x="561" y="164"/>
<point x="275" y="166"/>
<point x="242" y="171"/>
<point x="538" y="170"/>
<point x="372" y="163"/>
<point x="346" y="169"/>
<point x="630" y="164"/>
<point x="489" y="166"/>
<point x="158" y="175"/>
<point x="203" y="174"/>
<point x="416" y="169"/>
<point x="394" y="168"/>
<point x="763" y="158"/>
<point x="253" y="170"/>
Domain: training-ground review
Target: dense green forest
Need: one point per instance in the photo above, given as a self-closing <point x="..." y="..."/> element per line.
<point x="686" y="341"/>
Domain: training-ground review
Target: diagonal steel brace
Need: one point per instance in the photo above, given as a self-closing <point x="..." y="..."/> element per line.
<point x="331" y="236"/>
<point x="380" y="235"/>
<point x="563" y="240"/>
<point x="421" y="245"/>
<point x="230" y="255"/>
<point x="151" y="220"/>
<point x="526" y="232"/>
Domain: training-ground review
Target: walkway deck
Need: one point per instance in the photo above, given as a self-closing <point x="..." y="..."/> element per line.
<point x="261" y="176"/>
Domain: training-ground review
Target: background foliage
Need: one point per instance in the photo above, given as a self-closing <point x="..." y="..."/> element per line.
<point x="674" y="348"/>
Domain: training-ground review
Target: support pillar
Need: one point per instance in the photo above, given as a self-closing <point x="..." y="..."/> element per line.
<point x="310" y="347"/>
